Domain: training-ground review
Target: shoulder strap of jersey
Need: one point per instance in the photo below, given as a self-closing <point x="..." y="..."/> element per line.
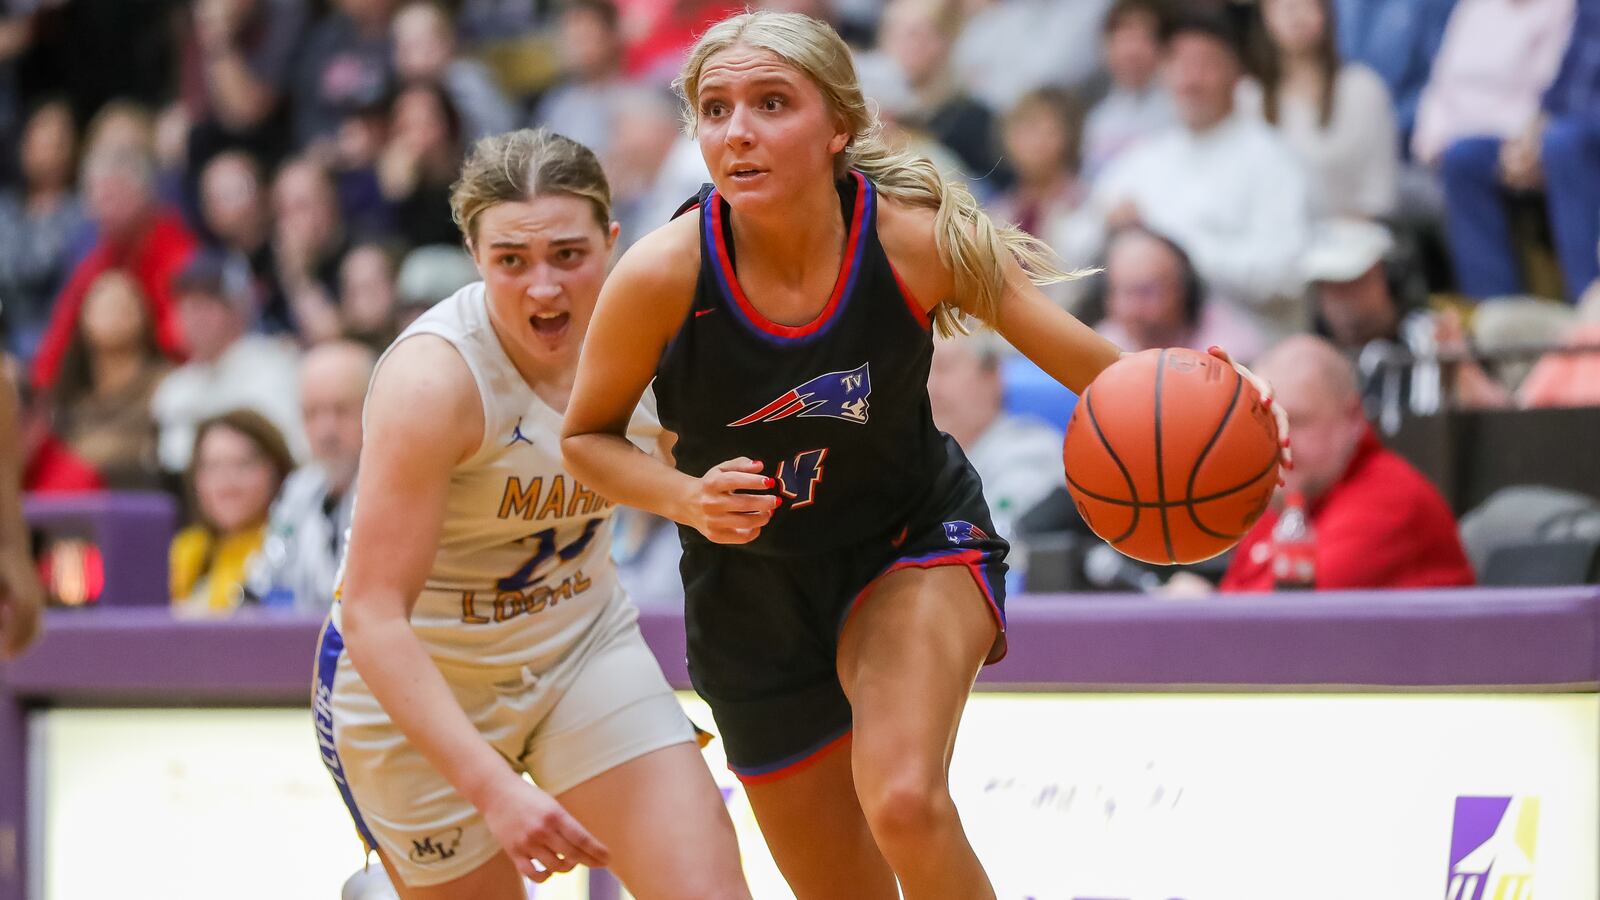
<point x="696" y="201"/>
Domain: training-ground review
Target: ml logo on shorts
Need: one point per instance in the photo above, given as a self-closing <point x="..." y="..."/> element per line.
<point x="1491" y="848"/>
<point x="436" y="847"/>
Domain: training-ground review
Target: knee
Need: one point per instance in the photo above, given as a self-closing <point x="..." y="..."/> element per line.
<point x="906" y="808"/>
<point x="1470" y="159"/>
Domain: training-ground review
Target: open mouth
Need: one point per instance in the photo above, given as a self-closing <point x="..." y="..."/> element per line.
<point x="746" y="174"/>
<point x="550" y="324"/>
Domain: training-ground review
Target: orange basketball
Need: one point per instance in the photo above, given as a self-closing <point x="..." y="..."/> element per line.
<point x="1170" y="456"/>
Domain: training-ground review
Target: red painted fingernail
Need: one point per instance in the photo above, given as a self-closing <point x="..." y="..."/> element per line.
<point x="770" y="483"/>
<point x="1285" y="442"/>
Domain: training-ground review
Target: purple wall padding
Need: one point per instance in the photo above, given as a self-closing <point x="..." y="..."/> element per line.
<point x="1495" y="639"/>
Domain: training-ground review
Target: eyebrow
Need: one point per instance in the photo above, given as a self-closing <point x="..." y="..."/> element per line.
<point x="523" y="245"/>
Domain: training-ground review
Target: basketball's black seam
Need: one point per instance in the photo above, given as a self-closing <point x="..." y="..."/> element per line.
<point x="1194" y="473"/>
<point x="1133" y="490"/>
<point x="1161" y="472"/>
<point x="1113" y="501"/>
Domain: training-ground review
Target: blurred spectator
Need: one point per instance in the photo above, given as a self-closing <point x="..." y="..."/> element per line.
<point x="135" y="233"/>
<point x="1018" y="458"/>
<point x="367" y="297"/>
<point x="651" y="165"/>
<point x="108" y="375"/>
<point x="420" y="162"/>
<point x="1520" y="147"/>
<point x="363" y="132"/>
<point x="583" y="105"/>
<point x="308" y="242"/>
<point x="1010" y="47"/>
<point x="1366" y="301"/>
<point x="240" y="462"/>
<point x="428" y="275"/>
<point x="16" y="33"/>
<point x="346" y="63"/>
<point x="660" y="34"/>
<point x="228" y="369"/>
<point x="37" y="222"/>
<point x="1137" y="104"/>
<point x="494" y="21"/>
<point x="1378" y="522"/>
<point x="1397" y="39"/>
<point x="1154" y="298"/>
<point x="1222" y="185"/>
<point x="21" y="595"/>
<point x="234" y="76"/>
<point x="234" y="207"/>
<point x="306" y="528"/>
<point x="917" y="35"/>
<point x="425" y="53"/>
<point x="48" y="465"/>
<point x="1040" y="135"/>
<point x="1496" y="57"/>
<point x="1337" y="118"/>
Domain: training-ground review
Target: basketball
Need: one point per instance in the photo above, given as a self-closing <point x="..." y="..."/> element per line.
<point x="1171" y="456"/>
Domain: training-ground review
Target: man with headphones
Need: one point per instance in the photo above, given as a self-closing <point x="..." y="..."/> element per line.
<point x="1366" y="301"/>
<point x="1155" y="298"/>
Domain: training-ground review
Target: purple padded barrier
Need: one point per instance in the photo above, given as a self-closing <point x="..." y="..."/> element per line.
<point x="1507" y="640"/>
<point x="132" y="529"/>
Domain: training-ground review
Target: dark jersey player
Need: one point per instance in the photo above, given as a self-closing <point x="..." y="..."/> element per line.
<point x="842" y="577"/>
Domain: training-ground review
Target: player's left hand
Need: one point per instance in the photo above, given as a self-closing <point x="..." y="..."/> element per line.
<point x="1265" y="390"/>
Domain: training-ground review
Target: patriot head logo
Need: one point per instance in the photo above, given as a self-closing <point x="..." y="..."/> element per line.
<point x="960" y="532"/>
<point x="837" y="395"/>
<point x="1491" y="848"/>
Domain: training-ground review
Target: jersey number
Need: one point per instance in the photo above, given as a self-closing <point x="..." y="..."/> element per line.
<point x="525" y="577"/>
<point x="798" y="479"/>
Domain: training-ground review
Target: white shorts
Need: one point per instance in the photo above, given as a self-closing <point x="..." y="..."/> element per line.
<point x="604" y="704"/>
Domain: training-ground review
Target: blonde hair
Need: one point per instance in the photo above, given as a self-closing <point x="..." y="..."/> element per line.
<point x="973" y="246"/>
<point x="520" y="165"/>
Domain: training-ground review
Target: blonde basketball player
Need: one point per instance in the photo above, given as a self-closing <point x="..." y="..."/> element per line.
<point x="480" y="632"/>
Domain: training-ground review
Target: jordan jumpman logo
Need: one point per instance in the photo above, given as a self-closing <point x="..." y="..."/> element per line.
<point x="517" y="435"/>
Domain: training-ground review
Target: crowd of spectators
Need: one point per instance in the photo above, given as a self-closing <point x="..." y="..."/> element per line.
<point x="200" y="260"/>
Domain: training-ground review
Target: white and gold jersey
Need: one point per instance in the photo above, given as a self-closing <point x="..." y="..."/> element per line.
<point x="523" y="568"/>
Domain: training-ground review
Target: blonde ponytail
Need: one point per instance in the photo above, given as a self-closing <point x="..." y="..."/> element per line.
<point x="969" y="242"/>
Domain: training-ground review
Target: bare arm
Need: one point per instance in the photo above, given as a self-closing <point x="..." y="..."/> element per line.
<point x="21" y="597"/>
<point x="641" y="307"/>
<point x="402" y="486"/>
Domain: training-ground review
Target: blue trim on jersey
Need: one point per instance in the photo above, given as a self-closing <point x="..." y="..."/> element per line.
<point x="858" y="229"/>
<point x="329" y="648"/>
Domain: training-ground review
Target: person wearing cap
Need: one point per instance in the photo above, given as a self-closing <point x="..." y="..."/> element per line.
<point x="228" y="367"/>
<point x="427" y="274"/>
<point x="1362" y="304"/>
<point x="1221" y="183"/>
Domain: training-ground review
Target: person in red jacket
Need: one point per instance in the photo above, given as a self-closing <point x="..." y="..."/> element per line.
<point x="136" y="234"/>
<point x="1378" y="522"/>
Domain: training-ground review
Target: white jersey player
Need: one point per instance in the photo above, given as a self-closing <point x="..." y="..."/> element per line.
<point x="481" y="633"/>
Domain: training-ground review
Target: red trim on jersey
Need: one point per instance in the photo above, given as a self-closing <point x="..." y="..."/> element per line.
<point x="917" y="312"/>
<point x="777" y="329"/>
<point x="971" y="559"/>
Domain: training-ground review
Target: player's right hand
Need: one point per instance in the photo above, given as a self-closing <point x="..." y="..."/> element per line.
<point x="539" y="835"/>
<point x="719" y="508"/>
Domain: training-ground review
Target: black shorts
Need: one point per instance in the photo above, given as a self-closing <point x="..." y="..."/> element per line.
<point x="763" y="630"/>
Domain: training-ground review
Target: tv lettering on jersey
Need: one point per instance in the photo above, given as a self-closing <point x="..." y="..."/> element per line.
<point x="837" y="395"/>
<point x="502" y="606"/>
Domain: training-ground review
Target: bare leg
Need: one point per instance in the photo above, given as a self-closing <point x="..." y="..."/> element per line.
<point x="907" y="659"/>
<point x="664" y="821"/>
<point x="816" y="831"/>
<point x="496" y="879"/>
